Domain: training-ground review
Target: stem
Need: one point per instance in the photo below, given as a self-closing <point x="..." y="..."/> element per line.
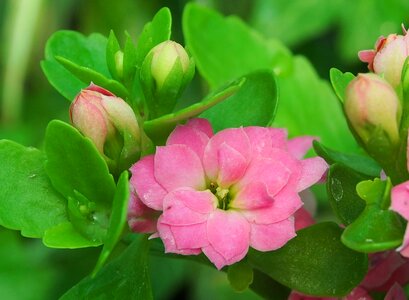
<point x="19" y="35"/>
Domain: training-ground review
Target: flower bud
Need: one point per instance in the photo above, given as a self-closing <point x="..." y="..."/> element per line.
<point x="388" y="57"/>
<point x="165" y="72"/>
<point x="372" y="106"/>
<point x="110" y="123"/>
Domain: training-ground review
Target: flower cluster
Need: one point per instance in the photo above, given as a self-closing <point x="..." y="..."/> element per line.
<point x="222" y="193"/>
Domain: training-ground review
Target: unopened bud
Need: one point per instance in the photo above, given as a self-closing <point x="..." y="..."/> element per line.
<point x="372" y="106"/>
<point x="110" y="123"/>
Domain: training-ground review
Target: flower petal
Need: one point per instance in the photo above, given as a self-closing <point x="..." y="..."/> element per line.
<point x="215" y="257"/>
<point x="312" y="171"/>
<point x="229" y="234"/>
<point x="236" y="138"/>
<point x="400" y="199"/>
<point x="253" y="196"/>
<point x="178" y="204"/>
<point x="178" y="166"/>
<point x="396" y="293"/>
<point x="268" y="237"/>
<point x="190" y="237"/>
<point x="189" y="136"/>
<point x="263" y="140"/>
<point x="303" y="219"/>
<point x="140" y="217"/>
<point x="150" y="192"/>
<point x="232" y="165"/>
<point x="202" y="125"/>
<point x="299" y="146"/>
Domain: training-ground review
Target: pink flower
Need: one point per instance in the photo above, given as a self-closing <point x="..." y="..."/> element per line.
<point x="221" y="194"/>
<point x="388" y="57"/>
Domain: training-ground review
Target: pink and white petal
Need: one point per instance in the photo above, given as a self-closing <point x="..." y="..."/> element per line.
<point x="285" y="204"/>
<point x="176" y="212"/>
<point x="141" y="218"/>
<point x="268" y="237"/>
<point x="312" y="171"/>
<point x="303" y="219"/>
<point x="202" y="125"/>
<point x="232" y="165"/>
<point x="229" y="234"/>
<point x="253" y="196"/>
<point x="178" y="166"/>
<point x="299" y="146"/>
<point x="166" y="235"/>
<point x="189" y="136"/>
<point x="396" y="293"/>
<point x="400" y="199"/>
<point x="144" y="182"/>
<point x="273" y="174"/>
<point x="190" y="237"/>
<point x="215" y="257"/>
<point x="366" y="56"/>
<point x="236" y="138"/>
<point x="263" y="139"/>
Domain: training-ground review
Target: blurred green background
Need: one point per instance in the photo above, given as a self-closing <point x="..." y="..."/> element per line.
<point x="328" y="32"/>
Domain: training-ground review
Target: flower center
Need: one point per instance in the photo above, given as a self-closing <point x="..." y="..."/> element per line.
<point x="223" y="196"/>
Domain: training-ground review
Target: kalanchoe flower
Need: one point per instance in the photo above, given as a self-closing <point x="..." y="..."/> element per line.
<point x="388" y="57"/>
<point x="221" y="194"/>
<point x="110" y="123"/>
<point x="165" y="72"/>
<point x="371" y="104"/>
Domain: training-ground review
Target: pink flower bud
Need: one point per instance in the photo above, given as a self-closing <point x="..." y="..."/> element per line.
<point x="388" y="57"/>
<point x="372" y="103"/>
<point x="110" y="123"/>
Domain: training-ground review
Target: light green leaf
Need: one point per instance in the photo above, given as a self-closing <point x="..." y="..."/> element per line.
<point x="340" y="82"/>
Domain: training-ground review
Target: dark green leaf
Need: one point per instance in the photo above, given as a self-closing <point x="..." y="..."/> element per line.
<point x="89" y="52"/>
<point x="340" y="82"/>
<point x="159" y="129"/>
<point x="315" y="262"/>
<point x="87" y="75"/>
<point x="359" y="163"/>
<point x="228" y="48"/>
<point x="254" y="104"/>
<point x="240" y="275"/>
<point x="342" y="195"/>
<point x="28" y="201"/>
<point x="155" y="32"/>
<point x="117" y="221"/>
<point x="125" y="277"/>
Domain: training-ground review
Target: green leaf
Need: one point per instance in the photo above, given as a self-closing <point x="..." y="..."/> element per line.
<point x="254" y="104"/>
<point x="240" y="276"/>
<point x="74" y="164"/>
<point x="87" y="75"/>
<point x="377" y="228"/>
<point x="125" y="277"/>
<point x="359" y="163"/>
<point x="315" y="262"/>
<point x="342" y="195"/>
<point x="228" y="48"/>
<point x="117" y="222"/>
<point x="154" y="32"/>
<point x="159" y="129"/>
<point x="340" y="82"/>
<point x="111" y="52"/>
<point x="28" y="201"/>
<point x="89" y="52"/>
<point x="66" y="236"/>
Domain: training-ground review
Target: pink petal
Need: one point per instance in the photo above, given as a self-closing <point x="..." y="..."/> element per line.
<point x="178" y="166"/>
<point x="144" y="182"/>
<point x="274" y="174"/>
<point x="253" y="196"/>
<point x="232" y="165"/>
<point x="215" y="257"/>
<point x="396" y="293"/>
<point x="404" y="248"/>
<point x="178" y="204"/>
<point x="236" y="138"/>
<point x="140" y="217"/>
<point x="190" y="237"/>
<point x="299" y="146"/>
<point x="303" y="219"/>
<point x="202" y="125"/>
<point x="189" y="136"/>
<point x="312" y="171"/>
<point x="263" y="139"/>
<point x="268" y="237"/>
<point x="366" y="56"/>
<point x="358" y="293"/>
<point x="285" y="204"/>
<point x="400" y="199"/>
<point x="166" y="235"/>
<point x="229" y="234"/>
